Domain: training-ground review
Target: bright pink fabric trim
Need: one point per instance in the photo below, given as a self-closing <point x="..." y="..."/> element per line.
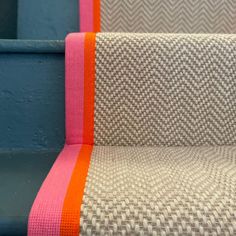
<point x="74" y="88"/>
<point x="86" y="15"/>
<point x="46" y="212"/>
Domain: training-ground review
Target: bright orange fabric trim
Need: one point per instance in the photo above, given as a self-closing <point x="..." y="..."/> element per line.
<point x="96" y="16"/>
<point x="70" y="221"/>
<point x="89" y="87"/>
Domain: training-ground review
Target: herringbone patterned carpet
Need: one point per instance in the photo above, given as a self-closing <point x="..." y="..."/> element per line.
<point x="160" y="191"/>
<point x="165" y="16"/>
<point x="165" y="89"/>
<point x="152" y="134"/>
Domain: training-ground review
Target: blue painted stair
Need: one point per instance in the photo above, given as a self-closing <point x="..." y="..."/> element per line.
<point x="31" y="124"/>
<point x="39" y="19"/>
<point x="31" y="94"/>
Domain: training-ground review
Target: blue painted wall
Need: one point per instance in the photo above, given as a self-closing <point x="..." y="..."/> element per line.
<point x="8" y="19"/>
<point x="52" y="19"/>
<point x="32" y="95"/>
<point x="32" y="76"/>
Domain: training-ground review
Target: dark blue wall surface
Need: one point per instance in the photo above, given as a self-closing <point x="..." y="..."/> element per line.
<point x="8" y="19"/>
<point x="21" y="175"/>
<point x="32" y="95"/>
<point x="51" y="19"/>
<point x="32" y="75"/>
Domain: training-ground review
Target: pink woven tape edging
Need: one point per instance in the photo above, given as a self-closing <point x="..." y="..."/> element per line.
<point x="46" y="212"/>
<point x="74" y="88"/>
<point x="86" y="15"/>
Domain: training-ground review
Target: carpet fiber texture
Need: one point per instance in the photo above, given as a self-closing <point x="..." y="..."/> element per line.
<point x="158" y="16"/>
<point x="160" y="191"/>
<point x="150" y="135"/>
<point x="162" y="89"/>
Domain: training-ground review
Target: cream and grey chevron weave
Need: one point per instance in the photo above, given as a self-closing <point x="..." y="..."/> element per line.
<point x="160" y="191"/>
<point x="161" y="126"/>
<point x="164" y="159"/>
<point x="168" y="16"/>
<point x="165" y="89"/>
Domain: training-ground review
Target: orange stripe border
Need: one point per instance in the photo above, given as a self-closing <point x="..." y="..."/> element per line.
<point x="89" y="87"/>
<point x="96" y="16"/>
<point x="70" y="220"/>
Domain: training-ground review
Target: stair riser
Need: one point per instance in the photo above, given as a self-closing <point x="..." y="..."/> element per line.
<point x="31" y="97"/>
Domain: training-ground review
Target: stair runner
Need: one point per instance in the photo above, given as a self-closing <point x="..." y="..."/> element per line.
<point x="150" y="127"/>
<point x="159" y="16"/>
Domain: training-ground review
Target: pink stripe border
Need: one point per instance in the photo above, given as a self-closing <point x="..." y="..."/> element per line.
<point x="74" y="87"/>
<point x="46" y="212"/>
<point x="86" y="15"/>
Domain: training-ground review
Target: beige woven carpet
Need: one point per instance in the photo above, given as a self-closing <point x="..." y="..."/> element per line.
<point x="168" y="16"/>
<point x="151" y="138"/>
<point x="165" y="89"/>
<point x="160" y="191"/>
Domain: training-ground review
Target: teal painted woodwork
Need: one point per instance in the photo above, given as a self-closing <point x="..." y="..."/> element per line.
<point x="8" y="19"/>
<point x="42" y="19"/>
<point x="39" y="19"/>
<point x="21" y="175"/>
<point x="32" y="94"/>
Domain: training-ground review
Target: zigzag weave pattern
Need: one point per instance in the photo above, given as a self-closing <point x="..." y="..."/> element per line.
<point x="160" y="191"/>
<point x="165" y="89"/>
<point x="128" y="91"/>
<point x="169" y="16"/>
